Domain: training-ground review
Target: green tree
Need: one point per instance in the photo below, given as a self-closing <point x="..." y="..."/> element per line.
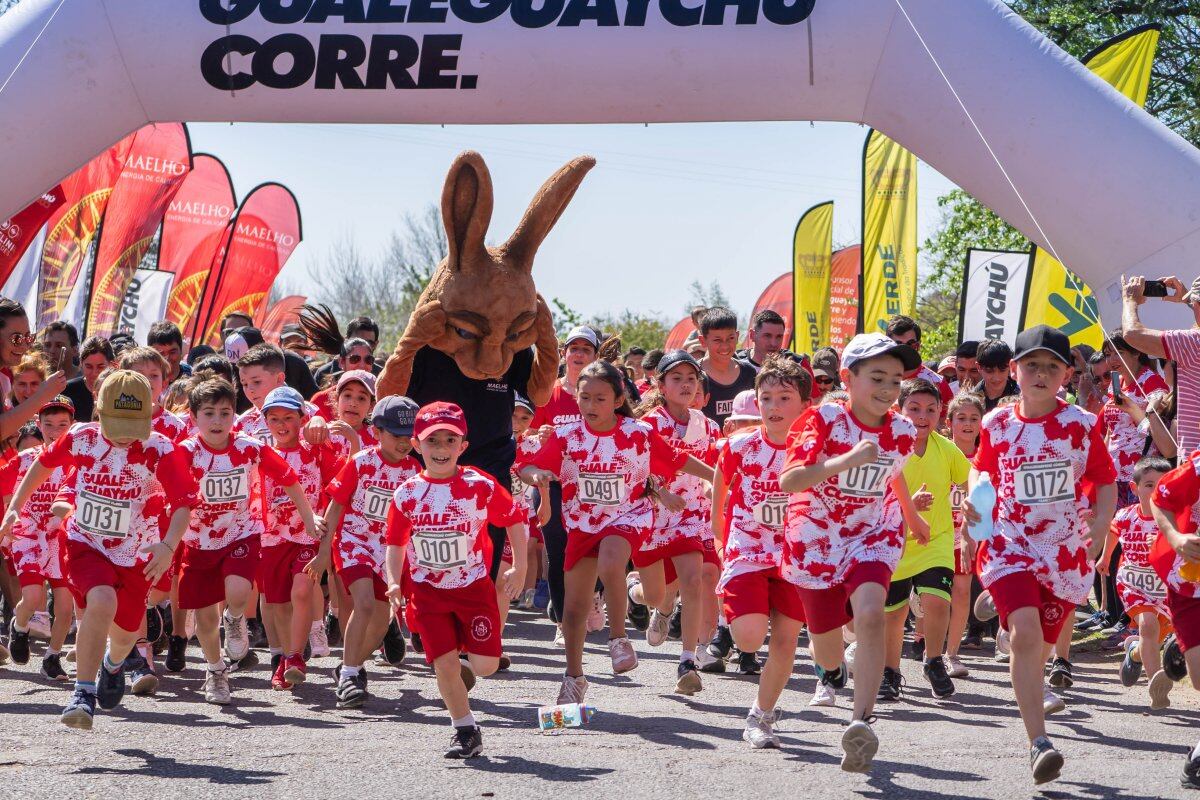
<point x="647" y="331"/>
<point x="1077" y="26"/>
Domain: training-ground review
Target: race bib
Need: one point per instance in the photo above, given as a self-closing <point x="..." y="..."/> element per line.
<point x="232" y="486"/>
<point x="601" y="488"/>
<point x="958" y="493"/>
<point x="102" y="516"/>
<point x="439" y="551"/>
<point x="869" y="480"/>
<point x="377" y="502"/>
<point x="771" y="512"/>
<point x="1044" y="482"/>
<point x="1144" y="579"/>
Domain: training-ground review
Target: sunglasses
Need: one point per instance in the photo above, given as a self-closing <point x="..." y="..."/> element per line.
<point x="22" y="338"/>
<point x="825" y="381"/>
<point x="356" y="359"/>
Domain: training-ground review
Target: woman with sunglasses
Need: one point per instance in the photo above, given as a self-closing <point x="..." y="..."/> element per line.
<point x="15" y="341"/>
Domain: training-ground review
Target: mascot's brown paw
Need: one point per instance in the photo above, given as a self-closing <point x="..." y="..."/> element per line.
<point x="481" y="306"/>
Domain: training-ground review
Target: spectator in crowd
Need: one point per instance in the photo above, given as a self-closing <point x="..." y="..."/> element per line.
<point x="295" y="370"/>
<point x="649" y="365"/>
<point x="994" y="358"/>
<point x="121" y="342"/>
<point x="634" y="357"/>
<point x="28" y="376"/>
<point x="232" y="322"/>
<point x="905" y="330"/>
<point x="95" y="356"/>
<point x="15" y="340"/>
<point x="966" y="366"/>
<point x="767" y="334"/>
<point x="826" y="366"/>
<point x="293" y="339"/>
<point x="60" y="343"/>
<point x="365" y="331"/>
<point x="946" y="368"/>
<point x="166" y="338"/>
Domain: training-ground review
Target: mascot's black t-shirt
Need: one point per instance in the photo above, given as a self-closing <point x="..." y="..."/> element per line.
<point x="488" y="405"/>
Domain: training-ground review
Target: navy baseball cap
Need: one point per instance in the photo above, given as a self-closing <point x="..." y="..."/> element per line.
<point x="396" y="415"/>
<point x="673" y="359"/>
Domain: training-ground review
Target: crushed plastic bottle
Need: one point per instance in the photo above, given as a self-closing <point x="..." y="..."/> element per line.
<point x="570" y="715"/>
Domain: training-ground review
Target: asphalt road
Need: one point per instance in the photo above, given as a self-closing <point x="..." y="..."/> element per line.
<point x="643" y="742"/>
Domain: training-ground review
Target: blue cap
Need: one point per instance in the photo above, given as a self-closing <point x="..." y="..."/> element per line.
<point x="284" y="397"/>
<point x="396" y="415"/>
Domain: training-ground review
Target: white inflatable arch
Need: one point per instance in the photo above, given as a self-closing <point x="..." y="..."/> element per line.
<point x="1113" y="190"/>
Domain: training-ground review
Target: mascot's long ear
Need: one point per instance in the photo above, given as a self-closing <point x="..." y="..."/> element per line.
<point x="545" y="209"/>
<point x="466" y="208"/>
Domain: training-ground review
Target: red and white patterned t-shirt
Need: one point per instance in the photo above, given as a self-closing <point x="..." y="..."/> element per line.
<point x="253" y="422"/>
<point x="603" y="475"/>
<point x="170" y="426"/>
<point x="1138" y="585"/>
<point x="852" y="517"/>
<point x="35" y="536"/>
<point x="1038" y="467"/>
<point x="698" y="438"/>
<point x="314" y="467"/>
<point x="121" y="492"/>
<point x="561" y="408"/>
<point x="1179" y="493"/>
<point x="755" y="508"/>
<point x="364" y="488"/>
<point x="231" y="507"/>
<point x="443" y="526"/>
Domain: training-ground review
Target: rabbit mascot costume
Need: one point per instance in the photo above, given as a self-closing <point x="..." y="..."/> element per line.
<point x="480" y="332"/>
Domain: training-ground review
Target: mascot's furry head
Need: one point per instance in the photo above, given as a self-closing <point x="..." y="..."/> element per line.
<point x="481" y="306"/>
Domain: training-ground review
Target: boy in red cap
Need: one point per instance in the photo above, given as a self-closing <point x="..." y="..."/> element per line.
<point x="437" y="531"/>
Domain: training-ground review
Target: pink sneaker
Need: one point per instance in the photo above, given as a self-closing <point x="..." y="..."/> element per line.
<point x="621" y="651"/>
<point x="595" y="617"/>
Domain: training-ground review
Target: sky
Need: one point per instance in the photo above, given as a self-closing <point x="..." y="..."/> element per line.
<point x="664" y="205"/>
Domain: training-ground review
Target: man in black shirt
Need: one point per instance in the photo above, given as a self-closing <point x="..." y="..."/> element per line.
<point x="994" y="357"/>
<point x="726" y="375"/>
<point x="95" y="356"/>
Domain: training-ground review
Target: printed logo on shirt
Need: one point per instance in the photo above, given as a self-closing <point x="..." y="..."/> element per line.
<point x="127" y="402"/>
<point x="497" y="386"/>
<point x="306" y="555"/>
<point x="1051" y="612"/>
<point x="724" y="408"/>
<point x="241" y="551"/>
<point x="481" y="629"/>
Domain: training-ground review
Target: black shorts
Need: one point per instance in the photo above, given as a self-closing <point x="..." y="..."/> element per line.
<point x="937" y="581"/>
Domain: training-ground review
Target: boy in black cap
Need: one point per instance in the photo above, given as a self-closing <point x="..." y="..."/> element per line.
<point x="1037" y="565"/>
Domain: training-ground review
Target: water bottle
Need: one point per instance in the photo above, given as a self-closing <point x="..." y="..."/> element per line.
<point x="983" y="500"/>
<point x="571" y="715"/>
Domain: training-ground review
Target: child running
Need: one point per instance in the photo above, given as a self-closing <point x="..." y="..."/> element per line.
<point x="748" y="523"/>
<point x="677" y="535"/>
<point x="603" y="462"/>
<point x="35" y="547"/>
<point x="964" y="416"/>
<point x="1037" y="566"/>
<point x="927" y="566"/>
<point x="1142" y="591"/>
<point x="123" y="475"/>
<point x="437" y="537"/>
<point x="359" y="498"/>
<point x="845" y="521"/>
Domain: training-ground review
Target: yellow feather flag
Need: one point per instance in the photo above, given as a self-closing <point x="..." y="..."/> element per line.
<point x="812" y="262"/>
<point x="889" y="226"/>
<point x="1057" y="296"/>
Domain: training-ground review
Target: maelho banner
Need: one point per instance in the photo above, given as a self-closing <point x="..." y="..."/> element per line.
<point x="812" y="257"/>
<point x="157" y="163"/>
<point x="192" y="229"/>
<point x="889" y="229"/>
<point x="263" y="236"/>
<point x="993" y="295"/>
<point x="18" y="231"/>
<point x="1056" y="295"/>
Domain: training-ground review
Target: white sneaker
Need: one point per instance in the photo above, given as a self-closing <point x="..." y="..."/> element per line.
<point x="596" y="618"/>
<point x="759" y="731"/>
<point x="705" y="658"/>
<point x="216" y="687"/>
<point x="237" y="638"/>
<point x="1003" y="647"/>
<point x="656" y="633"/>
<point x="1160" y="691"/>
<point x="1052" y="703"/>
<point x="39" y="625"/>
<point x="825" y="695"/>
<point x="955" y="667"/>
<point x="859" y="746"/>
<point x="849" y="656"/>
<point x="318" y="640"/>
<point x="559" y="641"/>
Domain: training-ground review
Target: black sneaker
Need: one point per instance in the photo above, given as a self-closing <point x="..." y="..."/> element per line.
<point x="1130" y="670"/>
<point x="972" y="641"/>
<point x="18" y="644"/>
<point x="889" y="687"/>
<point x="79" y="712"/>
<point x="1190" y="779"/>
<point x="52" y="668"/>
<point x="176" y="654"/>
<point x="1044" y="760"/>
<point x="393" y="644"/>
<point x="333" y="629"/>
<point x="917" y="650"/>
<point x="466" y="743"/>
<point x="1060" y="673"/>
<point x="1172" y="659"/>
<point x="747" y="664"/>
<point x="638" y="615"/>
<point x="142" y="680"/>
<point x="352" y="691"/>
<point x="257" y="633"/>
<point x="687" y="679"/>
<point x="939" y="681"/>
<point x="417" y="645"/>
<point x="835" y="678"/>
<point x="154" y="624"/>
<point x="168" y="620"/>
<point x="675" y="624"/>
<point x="110" y="687"/>
<point x="722" y="643"/>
